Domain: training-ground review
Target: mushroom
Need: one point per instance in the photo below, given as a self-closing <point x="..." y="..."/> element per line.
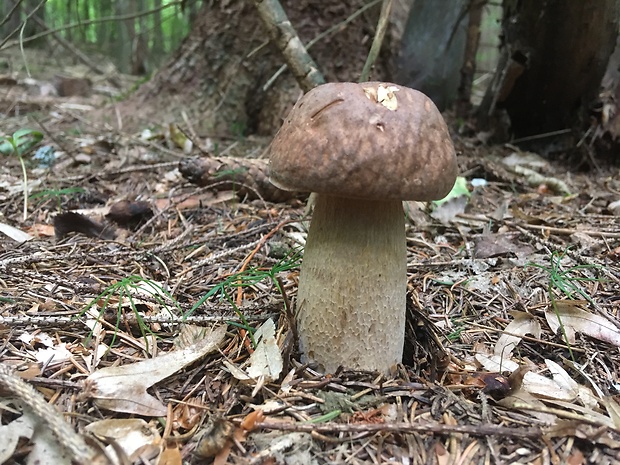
<point x="363" y="148"/>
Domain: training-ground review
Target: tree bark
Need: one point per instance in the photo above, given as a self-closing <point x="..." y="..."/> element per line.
<point x="433" y="48"/>
<point x="468" y="67"/>
<point x="218" y="74"/>
<point x="552" y="61"/>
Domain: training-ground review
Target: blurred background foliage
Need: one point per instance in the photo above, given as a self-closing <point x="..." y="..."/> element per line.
<point x="136" y="34"/>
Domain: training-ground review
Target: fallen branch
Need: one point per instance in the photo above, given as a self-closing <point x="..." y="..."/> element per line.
<point x="246" y="176"/>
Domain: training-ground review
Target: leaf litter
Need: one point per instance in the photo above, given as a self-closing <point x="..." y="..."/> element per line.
<point x="500" y="365"/>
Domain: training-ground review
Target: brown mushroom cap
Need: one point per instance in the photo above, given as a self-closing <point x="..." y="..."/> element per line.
<point x="359" y="141"/>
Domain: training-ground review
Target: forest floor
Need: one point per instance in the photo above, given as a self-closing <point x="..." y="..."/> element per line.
<point x="513" y="336"/>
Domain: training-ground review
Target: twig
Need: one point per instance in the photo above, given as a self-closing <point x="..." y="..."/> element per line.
<point x="284" y="36"/>
<point x="64" y="433"/>
<point x="432" y="428"/>
<point x="382" y="25"/>
<point x="288" y="311"/>
<point x="199" y="320"/>
<point x="565" y="231"/>
<point x="335" y="28"/>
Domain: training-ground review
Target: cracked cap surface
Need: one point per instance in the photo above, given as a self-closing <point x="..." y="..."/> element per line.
<point x="371" y="140"/>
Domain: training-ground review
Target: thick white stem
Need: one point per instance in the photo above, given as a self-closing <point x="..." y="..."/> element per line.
<point x="352" y="287"/>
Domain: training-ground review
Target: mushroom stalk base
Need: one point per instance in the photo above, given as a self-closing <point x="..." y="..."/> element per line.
<point x="352" y="286"/>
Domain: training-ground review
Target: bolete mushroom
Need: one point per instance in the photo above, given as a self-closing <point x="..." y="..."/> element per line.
<point x="363" y="148"/>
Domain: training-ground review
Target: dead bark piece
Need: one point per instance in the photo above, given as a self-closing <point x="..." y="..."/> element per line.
<point x="247" y="176"/>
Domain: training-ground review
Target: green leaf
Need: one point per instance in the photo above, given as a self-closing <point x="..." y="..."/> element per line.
<point x="7" y="146"/>
<point x="459" y="189"/>
<point x="26" y="139"/>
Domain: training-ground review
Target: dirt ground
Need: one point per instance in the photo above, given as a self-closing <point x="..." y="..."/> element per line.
<point x="512" y="337"/>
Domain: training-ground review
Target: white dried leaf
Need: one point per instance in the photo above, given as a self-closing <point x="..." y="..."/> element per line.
<point x="16" y="234"/>
<point x="533" y="383"/>
<point x="495" y="364"/>
<point x="123" y="388"/>
<point x="237" y="372"/>
<point x="266" y="360"/>
<point x="133" y="435"/>
<point x="53" y="355"/>
<point x="22" y="427"/>
<point x="523" y="324"/>
<point x="265" y="363"/>
<point x="576" y="319"/>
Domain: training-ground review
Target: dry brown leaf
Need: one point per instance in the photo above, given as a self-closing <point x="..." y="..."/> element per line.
<point x="171" y="455"/>
<point x="251" y="419"/>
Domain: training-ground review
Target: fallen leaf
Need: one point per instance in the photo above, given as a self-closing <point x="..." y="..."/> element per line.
<point x="523" y="324"/>
<point x="123" y="388"/>
<point x="522" y="397"/>
<point x="16" y="234"/>
<point x="613" y="410"/>
<point x="22" y="427"/>
<point x="266" y="360"/>
<point x="574" y="318"/>
<point x="533" y="383"/>
<point x="495" y="245"/>
<point x="579" y="429"/>
<point x="133" y="435"/>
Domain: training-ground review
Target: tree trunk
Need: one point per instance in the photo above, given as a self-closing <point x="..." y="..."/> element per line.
<point x="433" y="47"/>
<point x="468" y="67"/>
<point x="13" y="13"/>
<point x="219" y="74"/>
<point x="12" y="22"/>
<point x="553" y="58"/>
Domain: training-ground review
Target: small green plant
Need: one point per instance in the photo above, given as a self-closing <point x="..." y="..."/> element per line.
<point x="455" y="334"/>
<point x="248" y="278"/>
<point x="19" y="144"/>
<point x="125" y="291"/>
<point x="56" y="194"/>
<point x="566" y="281"/>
